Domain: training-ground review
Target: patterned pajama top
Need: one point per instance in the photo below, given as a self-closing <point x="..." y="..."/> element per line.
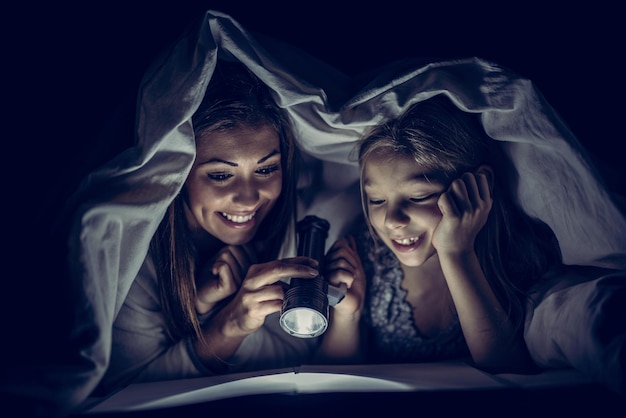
<point x="393" y="334"/>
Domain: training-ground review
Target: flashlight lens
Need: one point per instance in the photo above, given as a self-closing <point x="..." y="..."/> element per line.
<point x="303" y="322"/>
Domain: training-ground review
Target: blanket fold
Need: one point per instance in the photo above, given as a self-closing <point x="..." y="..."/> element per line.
<point x="119" y="205"/>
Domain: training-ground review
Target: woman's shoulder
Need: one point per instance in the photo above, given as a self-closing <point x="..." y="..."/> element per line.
<point x="145" y="286"/>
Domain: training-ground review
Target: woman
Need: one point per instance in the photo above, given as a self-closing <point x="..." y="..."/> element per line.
<point x="200" y="302"/>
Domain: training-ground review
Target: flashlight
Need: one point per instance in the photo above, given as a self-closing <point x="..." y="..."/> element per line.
<point x="305" y="307"/>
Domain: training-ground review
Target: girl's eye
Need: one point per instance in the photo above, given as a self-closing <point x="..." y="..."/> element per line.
<point x="266" y="171"/>
<point x="375" y="202"/>
<point x="219" y="177"/>
<point x="425" y="198"/>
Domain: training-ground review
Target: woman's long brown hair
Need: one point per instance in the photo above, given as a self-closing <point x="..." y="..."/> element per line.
<point x="234" y="98"/>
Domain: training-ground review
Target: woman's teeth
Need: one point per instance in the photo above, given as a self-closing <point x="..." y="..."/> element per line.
<point x="406" y="241"/>
<point x="237" y="218"/>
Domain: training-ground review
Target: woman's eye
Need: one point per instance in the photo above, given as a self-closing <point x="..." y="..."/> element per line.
<point x="375" y="202"/>
<point x="219" y="177"/>
<point x="266" y="171"/>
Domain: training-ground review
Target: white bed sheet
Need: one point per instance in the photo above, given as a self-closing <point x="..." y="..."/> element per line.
<point x="111" y="231"/>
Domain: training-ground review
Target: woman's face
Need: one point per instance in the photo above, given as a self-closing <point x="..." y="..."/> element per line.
<point x="234" y="182"/>
<point x="402" y="206"/>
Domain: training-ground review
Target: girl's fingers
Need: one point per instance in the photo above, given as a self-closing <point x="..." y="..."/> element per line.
<point x="447" y="204"/>
<point x="462" y="188"/>
<point x="342" y="276"/>
<point x="471" y="190"/>
<point x="465" y="194"/>
<point x="341" y="259"/>
<point x="484" y="187"/>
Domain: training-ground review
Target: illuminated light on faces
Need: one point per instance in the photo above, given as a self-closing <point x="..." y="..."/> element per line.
<point x="402" y="206"/>
<point x="234" y="182"/>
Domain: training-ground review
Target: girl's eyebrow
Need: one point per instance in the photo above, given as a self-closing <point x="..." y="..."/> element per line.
<point x="233" y="164"/>
<point x="419" y="177"/>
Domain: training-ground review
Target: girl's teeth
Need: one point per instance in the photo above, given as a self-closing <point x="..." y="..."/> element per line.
<point x="407" y="241"/>
<point x="237" y="218"/>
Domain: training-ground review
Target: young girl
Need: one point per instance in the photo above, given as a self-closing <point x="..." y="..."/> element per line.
<point x="447" y="255"/>
<point x="211" y="278"/>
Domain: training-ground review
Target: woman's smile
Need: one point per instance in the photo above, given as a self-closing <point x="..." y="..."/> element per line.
<point x="234" y="182"/>
<point x="238" y="221"/>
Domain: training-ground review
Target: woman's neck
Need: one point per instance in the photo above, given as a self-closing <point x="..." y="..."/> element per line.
<point x="205" y="243"/>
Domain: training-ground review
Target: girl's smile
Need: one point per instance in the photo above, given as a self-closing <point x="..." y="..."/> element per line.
<point x="406" y="245"/>
<point x="402" y="206"/>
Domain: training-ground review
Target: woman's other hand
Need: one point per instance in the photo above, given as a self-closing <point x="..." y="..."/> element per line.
<point x="222" y="276"/>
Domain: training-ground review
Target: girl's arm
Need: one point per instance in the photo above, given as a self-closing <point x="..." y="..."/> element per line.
<point x="491" y="336"/>
<point x="341" y="343"/>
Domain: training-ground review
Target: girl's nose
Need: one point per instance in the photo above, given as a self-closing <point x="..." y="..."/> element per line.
<point x="395" y="217"/>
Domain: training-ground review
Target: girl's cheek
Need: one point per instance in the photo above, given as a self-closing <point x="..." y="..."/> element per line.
<point x="377" y="219"/>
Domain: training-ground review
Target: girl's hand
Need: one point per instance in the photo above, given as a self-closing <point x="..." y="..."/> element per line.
<point x="260" y="294"/>
<point x="343" y="265"/>
<point x="465" y="207"/>
<point x="222" y="276"/>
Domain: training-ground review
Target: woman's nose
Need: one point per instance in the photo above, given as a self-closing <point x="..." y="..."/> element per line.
<point x="246" y="193"/>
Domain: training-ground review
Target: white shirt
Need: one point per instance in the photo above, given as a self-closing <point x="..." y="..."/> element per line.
<point x="142" y="350"/>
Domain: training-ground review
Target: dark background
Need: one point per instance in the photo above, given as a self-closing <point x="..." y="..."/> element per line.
<point x="74" y="62"/>
<point x="66" y="66"/>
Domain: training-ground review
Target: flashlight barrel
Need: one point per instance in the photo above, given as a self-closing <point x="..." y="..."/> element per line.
<point x="305" y="305"/>
<point x="312" y="234"/>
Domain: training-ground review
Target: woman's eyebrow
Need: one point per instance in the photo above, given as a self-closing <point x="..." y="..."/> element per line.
<point x="218" y="160"/>
<point x="233" y="164"/>
<point x="271" y="154"/>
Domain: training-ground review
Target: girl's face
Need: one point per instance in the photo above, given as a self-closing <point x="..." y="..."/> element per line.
<point x="402" y="206"/>
<point x="234" y="182"/>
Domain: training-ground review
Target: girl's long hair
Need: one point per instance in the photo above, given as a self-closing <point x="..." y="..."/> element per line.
<point x="514" y="249"/>
<point x="234" y="98"/>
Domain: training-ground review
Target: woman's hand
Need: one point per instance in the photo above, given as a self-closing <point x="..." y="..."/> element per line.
<point x="257" y="295"/>
<point x="260" y="294"/>
<point x="343" y="265"/>
<point x="222" y="276"/>
<point x="465" y="207"/>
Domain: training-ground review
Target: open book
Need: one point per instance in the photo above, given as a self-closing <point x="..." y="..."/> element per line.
<point x="325" y="379"/>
